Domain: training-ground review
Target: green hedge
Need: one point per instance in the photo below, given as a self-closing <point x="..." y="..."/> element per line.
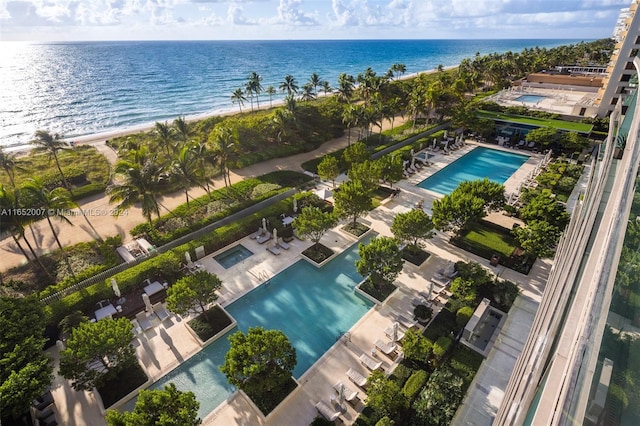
<point x="240" y="191"/>
<point x="88" y="190"/>
<point x="414" y="384"/>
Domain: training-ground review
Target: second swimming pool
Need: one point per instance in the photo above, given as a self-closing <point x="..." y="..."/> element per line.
<point x="496" y="165"/>
<point x="312" y="306"/>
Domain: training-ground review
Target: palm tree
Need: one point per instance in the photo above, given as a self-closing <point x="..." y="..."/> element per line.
<point x="249" y="91"/>
<point x="8" y="164"/>
<point x="206" y="157"/>
<point x="326" y="87"/>
<point x="164" y="135"/>
<point x="238" y="97"/>
<point x="186" y="171"/>
<point x="346" y="84"/>
<point x="349" y="118"/>
<point x="14" y="224"/>
<point x="289" y="85"/>
<point x="399" y="69"/>
<point x="181" y="129"/>
<point x="51" y="144"/>
<point x="256" y="87"/>
<point x="53" y="204"/>
<point x="224" y="143"/>
<point x="307" y="93"/>
<point x="315" y="81"/>
<point x="138" y="183"/>
<point x="270" y="91"/>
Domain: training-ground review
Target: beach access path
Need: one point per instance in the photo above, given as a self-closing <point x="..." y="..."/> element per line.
<point x="98" y="207"/>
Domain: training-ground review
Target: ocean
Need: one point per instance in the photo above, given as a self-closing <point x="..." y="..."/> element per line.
<point x="85" y="88"/>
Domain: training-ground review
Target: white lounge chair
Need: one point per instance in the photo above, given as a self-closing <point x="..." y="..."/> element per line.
<point x="161" y="312"/>
<point x="441" y="282"/>
<point x="143" y="320"/>
<point x="283" y="245"/>
<point x="349" y="395"/>
<point x="274" y="250"/>
<point x="385" y="347"/>
<point x="370" y="363"/>
<point x="257" y="234"/>
<point x="327" y="412"/>
<point x="405" y="322"/>
<point x="356" y="378"/>
<point x="136" y="327"/>
<point x="264" y="238"/>
<point x="389" y="333"/>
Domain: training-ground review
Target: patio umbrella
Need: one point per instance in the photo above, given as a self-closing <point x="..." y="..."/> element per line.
<point x="435" y="142"/>
<point x="295" y="205"/>
<point x="323" y="194"/>
<point x="413" y="162"/>
<point x="445" y="134"/>
<point x="60" y="345"/>
<point x="430" y="290"/>
<point x="147" y="302"/>
<point x="275" y="235"/>
<point x="412" y="152"/>
<point x="394" y="335"/>
<point x="114" y="286"/>
<point x="341" y="394"/>
<point x="187" y="257"/>
<point x="264" y="224"/>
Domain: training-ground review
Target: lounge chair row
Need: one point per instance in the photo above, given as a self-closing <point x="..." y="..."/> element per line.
<point x="142" y="321"/>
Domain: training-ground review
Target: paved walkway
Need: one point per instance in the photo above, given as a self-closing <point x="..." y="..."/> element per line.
<point x="106" y="225"/>
<point x="170" y="343"/>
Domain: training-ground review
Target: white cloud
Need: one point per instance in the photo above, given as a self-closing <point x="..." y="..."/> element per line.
<point x="235" y="15"/>
<point x="290" y="13"/>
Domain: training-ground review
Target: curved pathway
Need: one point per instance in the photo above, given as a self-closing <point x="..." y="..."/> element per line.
<point x="107" y="225"/>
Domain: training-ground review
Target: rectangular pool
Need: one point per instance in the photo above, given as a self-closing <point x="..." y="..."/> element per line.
<point x="233" y="256"/>
<point x="530" y="99"/>
<point x="312" y="306"/>
<point x="480" y="163"/>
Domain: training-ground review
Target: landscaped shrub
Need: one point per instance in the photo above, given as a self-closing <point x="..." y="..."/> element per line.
<point x="385" y="421"/>
<point x="414" y="384"/>
<point x="441" y="346"/>
<point x="402" y="373"/>
<point x="463" y="316"/>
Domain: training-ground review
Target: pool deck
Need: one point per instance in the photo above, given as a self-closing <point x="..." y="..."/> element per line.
<point x="170" y="343"/>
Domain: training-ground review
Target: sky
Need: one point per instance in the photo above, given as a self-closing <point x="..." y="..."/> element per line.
<point x="76" y="20"/>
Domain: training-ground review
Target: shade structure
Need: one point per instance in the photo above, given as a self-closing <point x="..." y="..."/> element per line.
<point x="413" y="162"/>
<point x="275" y="235"/>
<point x="295" y="205"/>
<point x="341" y="394"/>
<point x="323" y="193"/>
<point x="187" y="257"/>
<point x="147" y="302"/>
<point x="114" y="286"/>
<point x="264" y="224"/>
<point x="394" y="336"/>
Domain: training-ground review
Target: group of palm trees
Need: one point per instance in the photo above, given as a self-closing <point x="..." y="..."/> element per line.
<point x="142" y="174"/>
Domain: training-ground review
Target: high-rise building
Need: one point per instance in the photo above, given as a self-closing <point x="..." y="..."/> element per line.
<point x="615" y="85"/>
<point x="581" y="361"/>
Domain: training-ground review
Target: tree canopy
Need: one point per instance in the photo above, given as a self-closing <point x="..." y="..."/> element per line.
<point x="314" y="223"/>
<point x="356" y="153"/>
<point x="352" y="200"/>
<point x="25" y="368"/>
<point x="193" y="293"/>
<point x="159" y="407"/>
<point x="380" y="260"/>
<point x="455" y="211"/>
<point x="384" y="395"/>
<point x="538" y="238"/>
<point x="96" y="352"/>
<point x="412" y="227"/>
<point x="260" y="361"/>
<point x="329" y="169"/>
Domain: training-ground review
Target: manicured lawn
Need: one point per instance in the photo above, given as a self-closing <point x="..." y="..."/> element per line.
<point x="539" y="122"/>
<point x="486" y="242"/>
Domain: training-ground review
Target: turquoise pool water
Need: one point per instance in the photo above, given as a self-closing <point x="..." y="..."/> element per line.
<point x="530" y="99"/>
<point x="496" y="165"/>
<point x="312" y="306"/>
<point x="233" y="256"/>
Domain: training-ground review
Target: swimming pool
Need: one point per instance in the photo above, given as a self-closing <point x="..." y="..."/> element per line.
<point x="424" y="155"/>
<point x="312" y="306"/>
<point x="530" y="99"/>
<point x="496" y="165"/>
<point x="233" y="256"/>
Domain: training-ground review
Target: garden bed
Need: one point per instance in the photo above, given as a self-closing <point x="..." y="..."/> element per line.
<point x="318" y="253"/>
<point x="415" y="255"/>
<point x="205" y="327"/>
<point x="269" y="401"/>
<point x="358" y="229"/>
<point x="128" y="380"/>
<point x="380" y="292"/>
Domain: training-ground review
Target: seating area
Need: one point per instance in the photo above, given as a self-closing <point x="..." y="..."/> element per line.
<point x="356" y="378"/>
<point x="370" y="363"/>
<point x="327" y="412"/>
